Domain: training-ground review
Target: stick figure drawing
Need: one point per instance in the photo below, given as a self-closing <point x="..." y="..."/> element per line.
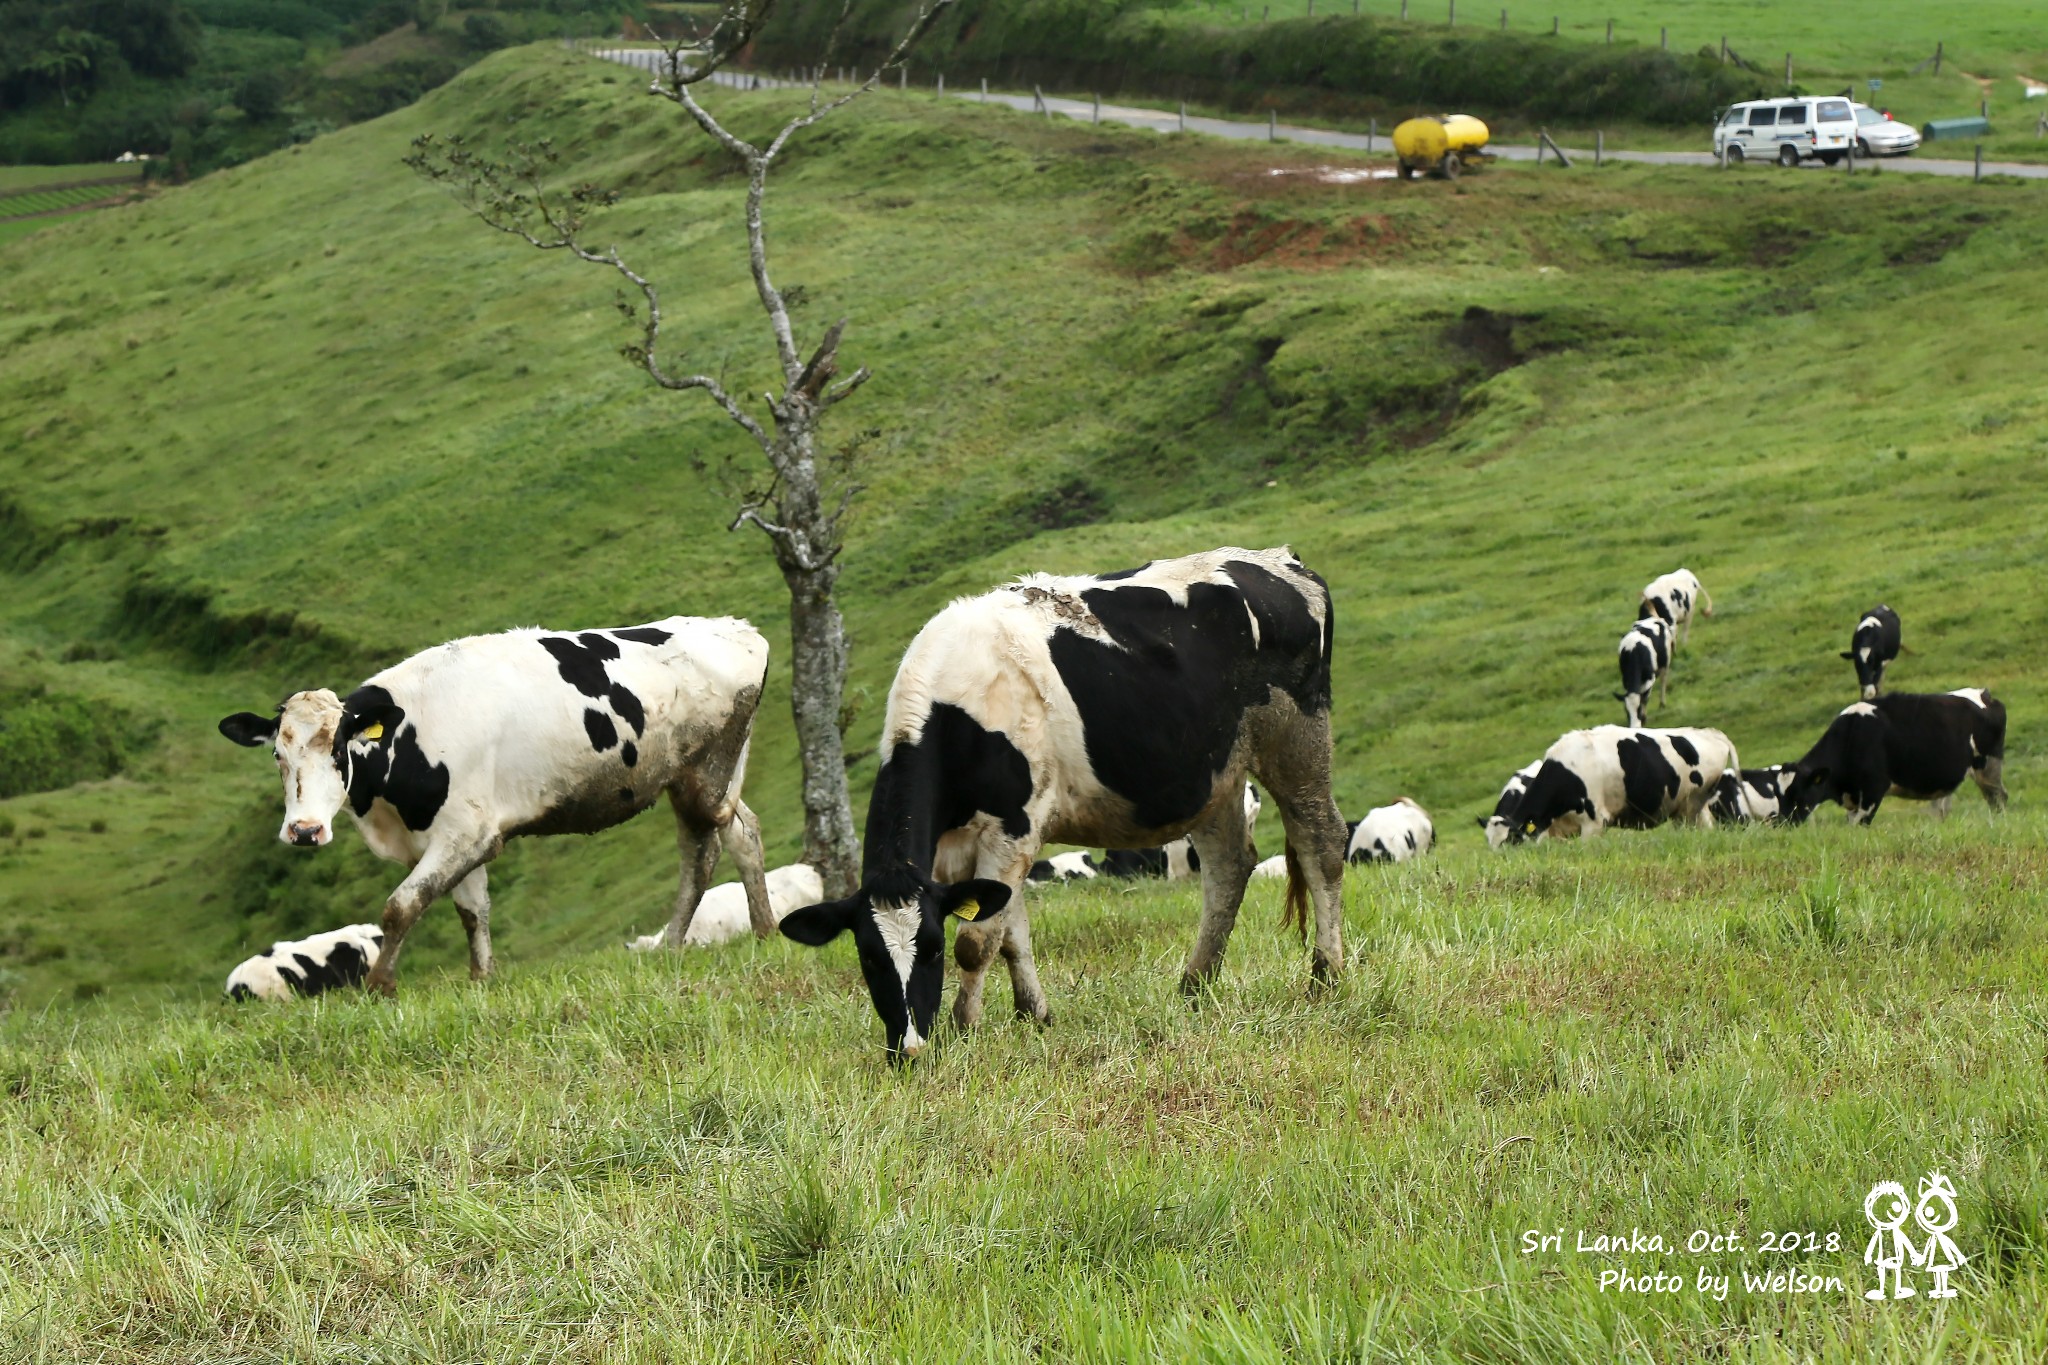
<point x="1936" y="1215"/>
<point x="1886" y="1207"/>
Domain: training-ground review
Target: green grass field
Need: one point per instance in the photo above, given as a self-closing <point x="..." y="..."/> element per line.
<point x="301" y="418"/>
<point x="27" y="190"/>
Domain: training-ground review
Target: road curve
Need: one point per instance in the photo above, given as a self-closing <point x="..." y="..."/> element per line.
<point x="1088" y="111"/>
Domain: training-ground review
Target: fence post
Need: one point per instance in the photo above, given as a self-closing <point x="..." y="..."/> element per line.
<point x="942" y="85"/>
<point x="1723" y="152"/>
<point x="1453" y="20"/>
<point x="1851" y="157"/>
<point x="1503" y="21"/>
<point x="1610" y="30"/>
<point x="984" y="90"/>
<point x="1372" y="131"/>
<point x="1540" y="140"/>
<point x="1096" y="116"/>
<point x="1724" y="49"/>
<point x="1937" y="59"/>
<point x="1266" y="15"/>
<point x="1311" y="9"/>
<point x="1553" y="25"/>
<point x="1599" y="147"/>
<point x="1978" y="173"/>
<point x="1183" y="116"/>
<point x="902" y="78"/>
<point x="1788" y="70"/>
<point x="1038" y="102"/>
<point x="1664" y="38"/>
<point x="1404" y="11"/>
<point x="1354" y="9"/>
<point x="1984" y="109"/>
<point x="1272" y="126"/>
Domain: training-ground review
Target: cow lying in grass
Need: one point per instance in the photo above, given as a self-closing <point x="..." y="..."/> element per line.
<point x="1175" y="861"/>
<point x="1391" y="834"/>
<point x="722" y="915"/>
<point x="307" y="966"/>
<point x="444" y="757"/>
<point x="1919" y="746"/>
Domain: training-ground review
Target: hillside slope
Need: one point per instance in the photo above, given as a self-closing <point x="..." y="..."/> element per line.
<point x="303" y="417"/>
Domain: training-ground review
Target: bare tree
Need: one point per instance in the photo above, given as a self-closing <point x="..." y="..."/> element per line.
<point x="800" y="496"/>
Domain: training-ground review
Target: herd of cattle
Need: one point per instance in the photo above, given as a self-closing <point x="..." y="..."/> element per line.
<point x="1123" y="711"/>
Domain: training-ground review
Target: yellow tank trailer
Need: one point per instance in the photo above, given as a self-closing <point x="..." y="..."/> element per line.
<point x="1442" y="146"/>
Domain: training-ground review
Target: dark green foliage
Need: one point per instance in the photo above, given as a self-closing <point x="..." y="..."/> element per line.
<point x="69" y="48"/>
<point x="484" y="32"/>
<point x="49" y="741"/>
<point x="261" y="95"/>
<point x="1333" y="65"/>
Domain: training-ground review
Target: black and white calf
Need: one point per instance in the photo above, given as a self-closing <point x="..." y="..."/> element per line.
<point x="1500" y="826"/>
<point x="444" y="757"/>
<point x="1673" y="598"/>
<point x="1063" y="867"/>
<point x="1391" y="834"/>
<point x="1875" y="644"/>
<point x="1915" y="745"/>
<point x="1752" y="795"/>
<point x="1611" y="775"/>
<point x="1123" y="710"/>
<point x="307" y="966"/>
<point x="1645" y="663"/>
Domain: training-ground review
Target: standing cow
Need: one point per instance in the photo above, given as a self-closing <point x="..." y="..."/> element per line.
<point x="1628" y="779"/>
<point x="1124" y="710"/>
<point x="1915" y="745"/>
<point x="444" y="757"/>
<point x="1672" y="598"/>
<point x="1645" y="663"/>
<point x="1875" y="644"/>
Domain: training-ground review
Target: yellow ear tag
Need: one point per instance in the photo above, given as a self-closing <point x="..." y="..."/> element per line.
<point x="967" y="910"/>
<point x="371" y="731"/>
<point x="1529" y="828"/>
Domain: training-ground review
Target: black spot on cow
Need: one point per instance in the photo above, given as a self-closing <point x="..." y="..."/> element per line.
<point x="641" y="635"/>
<point x="1121" y="574"/>
<point x="628" y="708"/>
<point x="1555" y="792"/>
<point x="582" y="661"/>
<point x="603" y="734"/>
<point x="955" y="770"/>
<point x="1683" y="747"/>
<point x="1693" y="775"/>
<point x="629" y="754"/>
<point x="395" y="768"/>
<point x="1410" y="835"/>
<point x="1648" y="781"/>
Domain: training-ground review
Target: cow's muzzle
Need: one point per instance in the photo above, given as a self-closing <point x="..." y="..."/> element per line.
<point x="306" y="834"/>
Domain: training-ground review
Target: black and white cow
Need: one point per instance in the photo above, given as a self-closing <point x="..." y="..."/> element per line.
<point x="1391" y="834"/>
<point x="1063" y="867"/>
<point x="1175" y="861"/>
<point x="723" y="914"/>
<point x="1645" y="663"/>
<point x="1875" y="644"/>
<point x="1123" y="710"/>
<point x="1611" y="775"/>
<point x="1751" y="795"/>
<point x="444" y="757"/>
<point x="307" y="966"/>
<point x="1500" y="826"/>
<point x="1672" y="598"/>
<point x="1915" y="745"/>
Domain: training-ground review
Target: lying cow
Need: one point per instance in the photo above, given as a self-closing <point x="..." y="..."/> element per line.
<point x="1875" y="644"/>
<point x="722" y="914"/>
<point x="1391" y="834"/>
<point x="339" y="957"/>
<point x="1751" y="795"/>
<point x="1500" y="826"/>
<point x="1915" y="745"/>
<point x="1628" y="779"/>
<point x="1175" y="861"/>
<point x="1645" y="663"/>
<point x="1124" y="710"/>
<point x="1062" y="867"/>
<point x="444" y="757"/>
<point x="1672" y="598"/>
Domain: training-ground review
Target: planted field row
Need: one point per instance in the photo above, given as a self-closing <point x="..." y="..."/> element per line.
<point x="17" y="179"/>
<point x="51" y="201"/>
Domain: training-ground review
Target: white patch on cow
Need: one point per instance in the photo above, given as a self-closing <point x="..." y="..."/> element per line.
<point x="1252" y="805"/>
<point x="1861" y="708"/>
<point x="1253" y="617"/>
<point x="1973" y="695"/>
<point x="898" y="926"/>
<point x="1066" y="866"/>
<point x="1178" y="866"/>
<point x="722" y="912"/>
<point x="314" y="788"/>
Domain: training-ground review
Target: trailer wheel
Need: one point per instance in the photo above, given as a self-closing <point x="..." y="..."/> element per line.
<point x="1788" y="156"/>
<point x="1404" y="170"/>
<point x="1449" y="167"/>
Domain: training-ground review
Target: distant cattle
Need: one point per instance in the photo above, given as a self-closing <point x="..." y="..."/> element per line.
<point x="1612" y="776"/>
<point x="1124" y="710"/>
<point x="1500" y="825"/>
<point x="722" y="914"/>
<point x="1919" y="746"/>
<point x="1673" y="598"/>
<point x="1063" y="867"/>
<point x="1752" y="795"/>
<point x="1645" y="663"/>
<point x="1274" y="867"/>
<point x="444" y="757"/>
<point x="1391" y="834"/>
<point x="307" y="966"/>
<point x="1875" y="644"/>
<point x="1174" y="861"/>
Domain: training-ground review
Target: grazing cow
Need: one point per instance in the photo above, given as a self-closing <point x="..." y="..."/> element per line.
<point x="1500" y="826"/>
<point x="1751" y="795"/>
<point x="1062" y="867"/>
<point x="1630" y="779"/>
<point x="722" y="915"/>
<point x="1915" y="745"/>
<point x="1875" y="644"/>
<point x="1645" y="663"/>
<point x="1391" y="834"/>
<point x="1175" y="861"/>
<point x="444" y="757"/>
<point x="1123" y="710"/>
<point x="1671" y="599"/>
<point x="339" y="957"/>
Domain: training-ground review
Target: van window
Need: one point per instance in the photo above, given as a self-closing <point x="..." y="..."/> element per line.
<point x="1762" y="117"/>
<point x="1792" y="113"/>
<point x="1832" y="111"/>
<point x="1735" y="115"/>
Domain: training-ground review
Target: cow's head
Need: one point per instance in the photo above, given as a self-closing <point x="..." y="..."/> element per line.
<point x="311" y="735"/>
<point x="1869" y="668"/>
<point x="899" y="928"/>
<point x="1803" y="789"/>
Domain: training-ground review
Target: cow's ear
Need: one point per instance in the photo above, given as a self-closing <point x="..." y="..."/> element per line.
<point x="249" y="730"/>
<point x="372" y="722"/>
<point x="976" y="900"/>
<point x="817" y="925"/>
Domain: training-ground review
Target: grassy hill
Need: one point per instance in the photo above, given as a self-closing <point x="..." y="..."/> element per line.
<point x="303" y="418"/>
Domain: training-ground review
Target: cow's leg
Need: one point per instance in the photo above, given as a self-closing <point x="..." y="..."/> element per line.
<point x="1939" y="806"/>
<point x="976" y="945"/>
<point x="1224" y="842"/>
<point x="436" y="874"/>
<point x="1025" y="992"/>
<point x="741" y="838"/>
<point x="1296" y="768"/>
<point x="473" y="902"/>
<point x="697" y="850"/>
<point x="1989" y="775"/>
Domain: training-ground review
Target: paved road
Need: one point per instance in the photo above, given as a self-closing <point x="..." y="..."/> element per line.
<point x="1159" y="122"/>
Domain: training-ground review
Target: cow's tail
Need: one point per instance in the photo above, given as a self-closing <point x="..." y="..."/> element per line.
<point x="1296" y="914"/>
<point x="1706" y="602"/>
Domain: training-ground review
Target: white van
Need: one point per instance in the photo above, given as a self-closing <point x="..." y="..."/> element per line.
<point x="1787" y="130"/>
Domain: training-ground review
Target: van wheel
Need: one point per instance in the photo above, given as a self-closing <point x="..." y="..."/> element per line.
<point x="1450" y="166"/>
<point x="1735" y="154"/>
<point x="1830" y="158"/>
<point x="1788" y="156"/>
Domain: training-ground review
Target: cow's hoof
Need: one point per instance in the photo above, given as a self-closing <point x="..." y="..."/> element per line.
<point x="1035" y="1012"/>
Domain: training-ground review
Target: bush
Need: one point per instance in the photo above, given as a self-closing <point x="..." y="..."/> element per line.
<point x="49" y="741"/>
<point x="485" y="32"/>
<point x="261" y="95"/>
